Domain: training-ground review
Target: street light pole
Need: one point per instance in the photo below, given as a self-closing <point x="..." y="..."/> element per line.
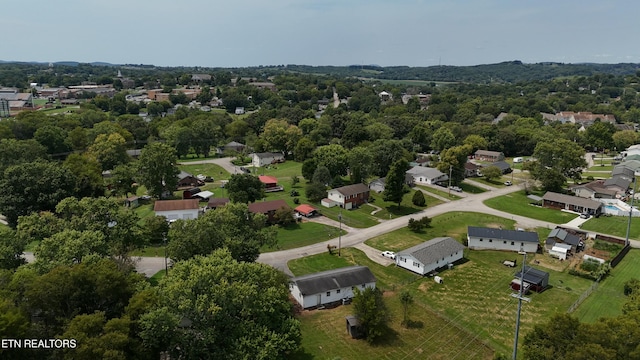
<point x="166" y="268"/>
<point x="340" y="234"/>
<point x="635" y="182"/>
<point x="520" y="298"/>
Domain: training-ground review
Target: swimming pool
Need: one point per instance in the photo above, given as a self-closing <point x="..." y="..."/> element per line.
<point x="613" y="208"/>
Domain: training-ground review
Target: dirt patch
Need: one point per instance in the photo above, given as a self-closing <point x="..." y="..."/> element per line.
<point x="550" y="263"/>
<point x="602" y="254"/>
<point x="388" y="293"/>
<point x="424" y="286"/>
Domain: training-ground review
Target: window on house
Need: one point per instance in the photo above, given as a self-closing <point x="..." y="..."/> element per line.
<point x="512" y="243"/>
<point x="504" y="242"/>
<point x="353" y="288"/>
<point x="363" y="285"/>
<point x="481" y="239"/>
<point x="338" y="291"/>
<point x="490" y="240"/>
<point x="328" y="293"/>
<point x="521" y="244"/>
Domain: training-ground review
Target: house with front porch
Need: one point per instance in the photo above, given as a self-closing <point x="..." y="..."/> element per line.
<point x="350" y="196"/>
<point x="572" y="203"/>
<point x="427" y="175"/>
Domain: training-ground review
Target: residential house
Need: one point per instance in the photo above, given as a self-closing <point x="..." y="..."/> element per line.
<point x="562" y="236"/>
<point x="234" y="146"/>
<point x="486" y="155"/>
<point x="502" y="165"/>
<point x="623" y="171"/>
<point x="593" y="190"/>
<point x="268" y="208"/>
<point x="330" y="287"/>
<point x="132" y="202"/>
<point x="200" y="78"/>
<point x="215" y="203"/>
<point x="430" y="255"/>
<point x="482" y="238"/>
<point x="187" y="180"/>
<point x="571" y="203"/>
<point x="427" y="175"/>
<point x="268" y="158"/>
<point x="202" y="195"/>
<point x="177" y="209"/>
<point x="499" y="118"/>
<point x="306" y="210"/>
<point x="270" y="183"/>
<point x="619" y="183"/>
<point x="583" y="118"/>
<point x="471" y="169"/>
<point x="385" y="96"/>
<point x="378" y="185"/>
<point x="239" y="110"/>
<point x="534" y="279"/>
<point x="264" y="85"/>
<point x="633" y="165"/>
<point x="350" y="196"/>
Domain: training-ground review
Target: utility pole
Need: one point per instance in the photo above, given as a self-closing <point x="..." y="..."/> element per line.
<point x="450" y="170"/>
<point x="633" y="195"/>
<point x="520" y="298"/>
<point x="340" y="234"/>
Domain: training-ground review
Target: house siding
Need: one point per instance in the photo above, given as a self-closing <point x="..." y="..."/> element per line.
<point x="348" y="202"/>
<point x="179" y="214"/>
<point x="308" y="301"/>
<point x="410" y="263"/>
<point x="475" y="243"/>
<point x="266" y="160"/>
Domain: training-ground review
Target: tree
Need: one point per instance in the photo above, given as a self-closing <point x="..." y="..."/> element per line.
<point x="155" y="229"/>
<point x="33" y="187"/>
<point x="491" y="172"/>
<point x="559" y="158"/>
<point x="14" y="152"/>
<point x="333" y="157"/>
<point x="122" y="179"/>
<point x="244" y="188"/>
<point x="371" y="311"/>
<point x="11" y="250"/>
<point x="476" y="142"/>
<point x="180" y="137"/>
<point x="418" y="199"/>
<point x="395" y="188"/>
<point x="284" y="216"/>
<point x="321" y="175"/>
<point x="279" y="135"/>
<point x="309" y="167"/>
<point x="53" y="138"/>
<point x="70" y="247"/>
<point x="88" y="175"/>
<point x="600" y="135"/>
<point x="304" y="148"/>
<point x="406" y="299"/>
<point x="232" y="320"/>
<point x="157" y="168"/>
<point x="417" y="225"/>
<point x="315" y="191"/>
<point x="452" y="162"/>
<point x="385" y="153"/>
<point x="360" y="164"/>
<point x="625" y="138"/>
<point x="443" y="139"/>
<point x="109" y="150"/>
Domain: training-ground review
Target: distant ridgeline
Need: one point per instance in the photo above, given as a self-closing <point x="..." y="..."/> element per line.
<point x="504" y="72"/>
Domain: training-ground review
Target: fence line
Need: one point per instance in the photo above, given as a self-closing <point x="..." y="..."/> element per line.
<point x="584" y="295"/>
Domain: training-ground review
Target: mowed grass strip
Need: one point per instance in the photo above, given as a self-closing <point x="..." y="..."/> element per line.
<point x="517" y="203"/>
<point x="324" y="335"/>
<point x="442" y="193"/>
<point x="453" y="224"/>
<point x="608" y="299"/>
<point x="302" y="234"/>
<point x="391" y="210"/>
<point x="614" y="225"/>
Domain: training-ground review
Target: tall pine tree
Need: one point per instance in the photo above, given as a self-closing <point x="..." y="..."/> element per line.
<point x="394" y="188"/>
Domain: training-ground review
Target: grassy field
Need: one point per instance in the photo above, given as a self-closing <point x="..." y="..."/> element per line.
<point x="298" y="235"/>
<point x="286" y="170"/>
<point x="474" y="302"/>
<point x="155" y="279"/>
<point x="452" y="224"/>
<point x="213" y="170"/>
<point x="468" y="188"/>
<point x="598" y="167"/>
<point x="517" y="203"/>
<point x="608" y="299"/>
<point x="392" y="210"/>
<point x="433" y="337"/>
<point x="149" y="251"/>
<point x="443" y="193"/>
<point x="614" y="225"/>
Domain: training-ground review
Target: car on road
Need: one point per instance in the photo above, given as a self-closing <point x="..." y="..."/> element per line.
<point x="389" y="254"/>
<point x="508" y="183"/>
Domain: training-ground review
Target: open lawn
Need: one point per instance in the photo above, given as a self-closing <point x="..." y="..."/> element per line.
<point x="302" y="234"/>
<point x="391" y="210"/>
<point x="595" y="175"/>
<point x="213" y="170"/>
<point x="443" y="193"/>
<point x="474" y="302"/>
<point x="144" y="211"/>
<point x="598" y="167"/>
<point x="468" y="188"/>
<point x="155" y="279"/>
<point x="496" y="183"/>
<point x="614" y="225"/>
<point x="608" y="299"/>
<point x="453" y="224"/>
<point x="517" y="203"/>
<point x="285" y="170"/>
<point x="149" y="251"/>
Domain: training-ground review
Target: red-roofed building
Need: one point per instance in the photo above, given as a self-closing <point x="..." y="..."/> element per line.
<point x="306" y="210"/>
<point x="270" y="183"/>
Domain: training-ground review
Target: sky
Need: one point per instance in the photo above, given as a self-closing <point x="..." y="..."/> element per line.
<point x="240" y="33"/>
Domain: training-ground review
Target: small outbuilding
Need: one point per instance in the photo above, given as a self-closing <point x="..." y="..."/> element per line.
<point x="306" y="210"/>
<point x="354" y="328"/>
<point x="538" y="280"/>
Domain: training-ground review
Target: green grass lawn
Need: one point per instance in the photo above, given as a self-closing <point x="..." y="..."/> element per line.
<point x="213" y="170"/>
<point x="303" y="234"/>
<point x="595" y="175"/>
<point x="155" y="279"/>
<point x="468" y="188"/>
<point x="517" y="203"/>
<point x="497" y="183"/>
<point x="598" y="167"/>
<point x="392" y="210"/>
<point x="144" y="211"/>
<point x="285" y="170"/>
<point x="149" y="251"/>
<point x="474" y="302"/>
<point x="443" y="193"/>
<point x="614" y="225"/>
<point x="608" y="299"/>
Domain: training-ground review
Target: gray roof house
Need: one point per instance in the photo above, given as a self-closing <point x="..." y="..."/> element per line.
<point x="483" y="238"/>
<point x="618" y="183"/>
<point x="427" y="175"/>
<point x="502" y="165"/>
<point x="331" y="286"/>
<point x="559" y="235"/>
<point x="572" y="203"/>
<point x="378" y="185"/>
<point x="430" y="255"/>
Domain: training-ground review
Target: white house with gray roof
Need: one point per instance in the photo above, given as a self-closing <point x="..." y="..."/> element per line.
<point x="268" y="158"/>
<point x="482" y="238"/>
<point x="430" y="255"/>
<point x="332" y="286"/>
<point x="427" y="175"/>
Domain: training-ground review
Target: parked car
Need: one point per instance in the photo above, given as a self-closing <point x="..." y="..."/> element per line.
<point x="584" y="216"/>
<point x="508" y="183"/>
<point x="389" y="254"/>
<point x="456" y="188"/>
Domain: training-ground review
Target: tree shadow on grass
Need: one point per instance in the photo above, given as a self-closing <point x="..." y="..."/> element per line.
<point x="401" y="210"/>
<point x="412" y="324"/>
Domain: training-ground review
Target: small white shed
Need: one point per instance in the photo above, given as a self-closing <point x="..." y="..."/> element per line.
<point x="560" y="251"/>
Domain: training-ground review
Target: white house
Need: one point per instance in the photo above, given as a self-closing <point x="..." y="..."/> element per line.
<point x="427" y="175"/>
<point x="262" y="159"/>
<point x="350" y="196"/>
<point x="330" y="286"/>
<point x="430" y="255"/>
<point x="481" y="238"/>
<point x="177" y="209"/>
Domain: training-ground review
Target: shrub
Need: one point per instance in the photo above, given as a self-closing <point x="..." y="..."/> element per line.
<point x="631" y="286"/>
<point x="418" y="199"/>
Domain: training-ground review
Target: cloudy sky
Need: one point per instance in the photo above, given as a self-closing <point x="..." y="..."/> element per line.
<point x="230" y="33"/>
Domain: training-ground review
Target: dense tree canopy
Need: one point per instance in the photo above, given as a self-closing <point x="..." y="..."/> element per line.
<point x="157" y="167"/>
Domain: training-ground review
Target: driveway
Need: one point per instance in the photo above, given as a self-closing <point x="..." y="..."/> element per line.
<point x="225" y="163"/>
